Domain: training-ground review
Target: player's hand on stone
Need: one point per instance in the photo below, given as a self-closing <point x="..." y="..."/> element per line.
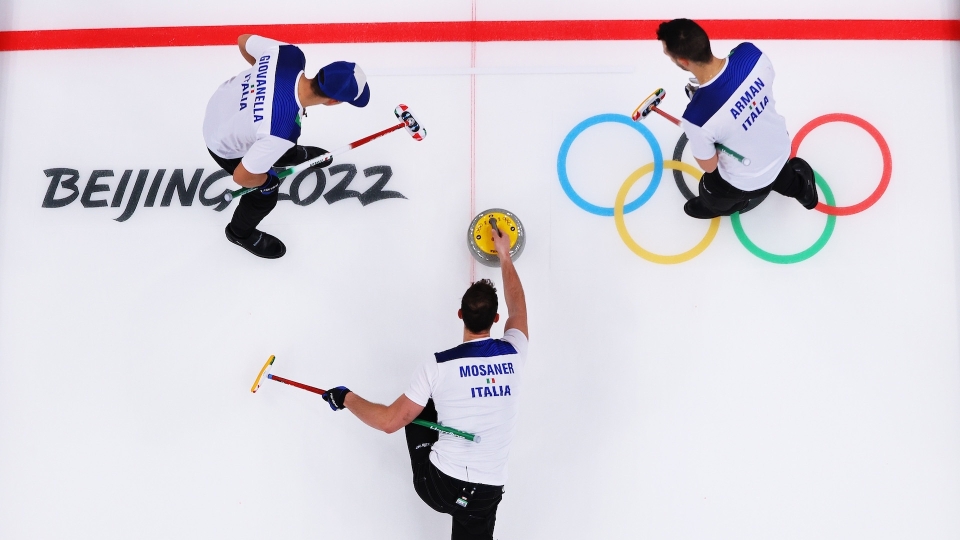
<point x="335" y="397"/>
<point x="501" y="241"/>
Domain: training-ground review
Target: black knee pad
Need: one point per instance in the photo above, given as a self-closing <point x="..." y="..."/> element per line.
<point x="298" y="154"/>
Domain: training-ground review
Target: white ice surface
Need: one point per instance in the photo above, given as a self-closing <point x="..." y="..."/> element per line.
<point x="725" y="397"/>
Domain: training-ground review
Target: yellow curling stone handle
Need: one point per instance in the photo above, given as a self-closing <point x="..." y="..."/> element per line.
<point x="483" y="231"/>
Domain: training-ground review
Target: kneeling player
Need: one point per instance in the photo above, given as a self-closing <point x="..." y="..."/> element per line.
<point x="732" y="104"/>
<point x="472" y="387"/>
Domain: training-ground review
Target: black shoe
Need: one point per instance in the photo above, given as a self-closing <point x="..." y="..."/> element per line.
<point x="693" y="209"/>
<point x="740" y="207"/>
<point x="298" y="154"/>
<point x="259" y="243"/>
<point x="808" y="198"/>
<point x="753" y="203"/>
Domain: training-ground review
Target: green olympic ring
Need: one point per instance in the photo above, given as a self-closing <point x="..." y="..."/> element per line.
<point x="796" y="257"/>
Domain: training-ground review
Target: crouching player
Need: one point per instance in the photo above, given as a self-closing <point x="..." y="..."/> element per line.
<point x="252" y="124"/>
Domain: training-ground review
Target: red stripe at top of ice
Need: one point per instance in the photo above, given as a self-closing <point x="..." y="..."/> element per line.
<point x="474" y="31"/>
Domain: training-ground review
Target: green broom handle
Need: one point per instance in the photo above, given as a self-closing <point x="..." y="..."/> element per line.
<point x="231" y="195"/>
<point x="456" y="432"/>
<point x="733" y="154"/>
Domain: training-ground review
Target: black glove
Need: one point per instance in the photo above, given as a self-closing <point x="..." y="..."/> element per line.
<point x="271" y="184"/>
<point x="690" y="89"/>
<point x="335" y="397"/>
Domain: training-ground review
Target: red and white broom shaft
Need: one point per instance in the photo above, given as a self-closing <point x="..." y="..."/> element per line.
<point x="376" y="135"/>
<point x="359" y="142"/>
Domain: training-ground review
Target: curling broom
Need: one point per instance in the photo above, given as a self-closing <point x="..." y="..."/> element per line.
<point x="265" y="374"/>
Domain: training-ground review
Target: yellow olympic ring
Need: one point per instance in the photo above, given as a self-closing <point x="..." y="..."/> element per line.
<point x="625" y="234"/>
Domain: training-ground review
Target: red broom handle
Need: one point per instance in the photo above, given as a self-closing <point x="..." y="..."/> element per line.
<point x="665" y="115"/>
<point x="298" y="385"/>
<point x="365" y="140"/>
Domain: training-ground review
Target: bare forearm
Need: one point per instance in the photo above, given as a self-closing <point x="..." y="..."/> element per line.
<point x="247" y="179"/>
<point x="385" y="418"/>
<point x="374" y="415"/>
<point x="708" y="165"/>
<point x="513" y="295"/>
<point x="512" y="289"/>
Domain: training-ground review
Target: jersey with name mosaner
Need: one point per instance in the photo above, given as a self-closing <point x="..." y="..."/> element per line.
<point x="736" y="108"/>
<point x="256" y="115"/>
<point x="475" y="388"/>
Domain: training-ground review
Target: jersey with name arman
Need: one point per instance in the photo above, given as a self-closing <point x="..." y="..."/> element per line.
<point x="475" y="388"/>
<point x="256" y="115"/>
<point x="736" y="108"/>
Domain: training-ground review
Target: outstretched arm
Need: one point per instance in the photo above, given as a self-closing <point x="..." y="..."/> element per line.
<point x="512" y="288"/>
<point x="242" y="43"/>
<point x="382" y="417"/>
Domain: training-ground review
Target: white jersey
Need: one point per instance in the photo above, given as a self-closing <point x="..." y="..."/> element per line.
<point x="475" y="388"/>
<point x="736" y="108"/>
<point x="256" y="115"/>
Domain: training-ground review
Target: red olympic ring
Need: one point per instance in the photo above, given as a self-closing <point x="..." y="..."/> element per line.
<point x="884" y="151"/>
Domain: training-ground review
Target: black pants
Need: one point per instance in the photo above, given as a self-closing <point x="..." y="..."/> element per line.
<point x="474" y="521"/>
<point x="254" y="206"/>
<point x="720" y="197"/>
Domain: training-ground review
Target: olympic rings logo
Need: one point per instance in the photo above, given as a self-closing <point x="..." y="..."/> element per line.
<point x="621" y="207"/>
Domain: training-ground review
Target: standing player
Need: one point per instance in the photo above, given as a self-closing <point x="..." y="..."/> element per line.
<point x="473" y="387"/>
<point x="253" y="122"/>
<point x="732" y="103"/>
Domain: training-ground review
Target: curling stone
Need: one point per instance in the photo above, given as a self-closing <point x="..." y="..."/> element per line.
<point x="480" y="235"/>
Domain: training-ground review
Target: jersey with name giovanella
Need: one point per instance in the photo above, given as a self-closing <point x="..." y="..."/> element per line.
<point x="736" y="108"/>
<point x="475" y="388"/>
<point x="256" y="115"/>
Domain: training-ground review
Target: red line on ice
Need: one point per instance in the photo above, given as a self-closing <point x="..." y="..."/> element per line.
<point x="473" y="135"/>
<point x="474" y="31"/>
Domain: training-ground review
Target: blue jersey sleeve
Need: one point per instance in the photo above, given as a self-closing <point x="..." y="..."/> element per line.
<point x="709" y="99"/>
<point x="285" y="119"/>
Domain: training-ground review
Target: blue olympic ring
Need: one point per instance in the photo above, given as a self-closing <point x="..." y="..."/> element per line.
<point x="599" y="119"/>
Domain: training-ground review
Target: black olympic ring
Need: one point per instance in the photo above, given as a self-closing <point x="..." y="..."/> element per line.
<point x="682" y="185"/>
